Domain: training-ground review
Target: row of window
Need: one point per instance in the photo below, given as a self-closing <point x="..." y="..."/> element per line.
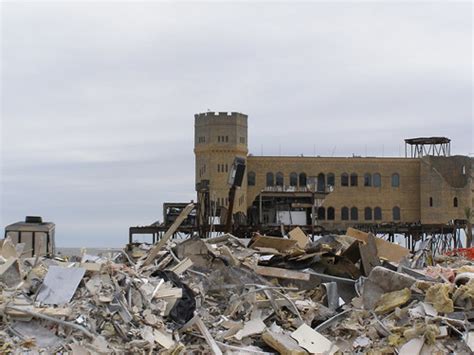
<point x="455" y="202"/>
<point x="353" y="213"/>
<point x="301" y="179"/>
<point x="222" y="168"/>
<point x="221" y="139"/>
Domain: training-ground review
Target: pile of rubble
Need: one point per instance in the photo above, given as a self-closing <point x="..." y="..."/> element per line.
<point x="346" y="293"/>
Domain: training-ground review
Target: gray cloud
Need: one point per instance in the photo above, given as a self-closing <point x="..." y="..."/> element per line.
<point x="98" y="98"/>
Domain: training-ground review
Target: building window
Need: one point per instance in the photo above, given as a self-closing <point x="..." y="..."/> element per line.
<point x="396" y="213"/>
<point x="463" y="170"/>
<point x="354" y="179"/>
<point x="431" y="201"/>
<point x="251" y="178"/>
<point x="344" y="213"/>
<point x="270" y="181"/>
<point x="293" y="179"/>
<point x="218" y="168"/>
<point x="395" y="180"/>
<point x="218" y="139"/>
<point x="455" y="202"/>
<point x="377" y="180"/>
<point x="302" y="180"/>
<point x="321" y="214"/>
<point x="226" y="168"/>
<point x="344" y="179"/>
<point x="279" y="179"/>
<point x="321" y="182"/>
<point x="331" y="180"/>
<point x="227" y="139"/>
<point x="377" y="213"/>
<point x="354" y="214"/>
<point x="331" y="213"/>
<point x="202" y="139"/>
<point x="368" y="214"/>
<point x="367" y="180"/>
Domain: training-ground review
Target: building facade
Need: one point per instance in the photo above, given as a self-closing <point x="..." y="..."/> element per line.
<point x="426" y="189"/>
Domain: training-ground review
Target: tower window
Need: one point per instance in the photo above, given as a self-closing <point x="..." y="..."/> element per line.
<point x="431" y="201"/>
<point x="455" y="202"/>
<point x="226" y="139"/>
<point x="218" y="168"/>
<point x="226" y="168"/>
<point x="218" y="139"/>
<point x="395" y="180"/>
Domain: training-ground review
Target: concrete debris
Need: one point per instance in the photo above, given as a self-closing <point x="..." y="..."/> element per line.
<point x="227" y="295"/>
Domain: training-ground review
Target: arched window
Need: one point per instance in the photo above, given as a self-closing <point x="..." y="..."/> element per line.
<point x="331" y="180"/>
<point x="431" y="201"/>
<point x="395" y="180"/>
<point x="251" y="178"/>
<point x="368" y="214"/>
<point x="344" y="213"/>
<point x="455" y="202"/>
<point x="279" y="179"/>
<point x="367" y="180"/>
<point x="331" y="214"/>
<point x="321" y="214"/>
<point x="354" y="214"/>
<point x="344" y="179"/>
<point x="321" y="182"/>
<point x="377" y="213"/>
<point x="302" y="180"/>
<point x="270" y="181"/>
<point x="354" y="179"/>
<point x="377" y="180"/>
<point x="396" y="213"/>
<point x="293" y="179"/>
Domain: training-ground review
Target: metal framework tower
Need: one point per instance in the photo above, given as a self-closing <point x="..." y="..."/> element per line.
<point x="422" y="146"/>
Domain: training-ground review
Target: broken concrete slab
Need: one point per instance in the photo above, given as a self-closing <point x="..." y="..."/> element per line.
<point x="59" y="285"/>
<point x="10" y="273"/>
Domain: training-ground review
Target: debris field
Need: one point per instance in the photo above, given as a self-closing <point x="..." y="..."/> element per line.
<point x="352" y="293"/>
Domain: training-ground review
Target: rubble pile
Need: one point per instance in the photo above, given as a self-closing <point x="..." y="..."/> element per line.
<point x="339" y="294"/>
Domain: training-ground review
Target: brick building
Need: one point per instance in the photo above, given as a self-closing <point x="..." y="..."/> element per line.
<point x="429" y="187"/>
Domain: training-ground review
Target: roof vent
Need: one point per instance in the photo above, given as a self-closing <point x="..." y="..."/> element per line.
<point x="33" y="219"/>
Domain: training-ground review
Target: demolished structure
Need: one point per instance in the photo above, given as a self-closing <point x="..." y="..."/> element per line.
<point x="225" y="295"/>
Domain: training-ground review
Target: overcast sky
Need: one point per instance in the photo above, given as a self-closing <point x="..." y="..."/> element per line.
<point x="98" y="98"/>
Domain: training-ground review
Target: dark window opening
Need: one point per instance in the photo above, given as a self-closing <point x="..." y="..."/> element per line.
<point x="367" y="180"/>
<point x="344" y="213"/>
<point x="431" y="201"/>
<point x="396" y="213"/>
<point x="395" y="180"/>
<point x="279" y="179"/>
<point x="354" y="214"/>
<point x="377" y="213"/>
<point x="251" y="179"/>
<point x="344" y="179"/>
<point x="331" y="213"/>
<point x="377" y="180"/>
<point x="302" y="180"/>
<point x="331" y="180"/>
<point x="293" y="179"/>
<point x="227" y="139"/>
<point x="455" y="202"/>
<point x="321" y="214"/>
<point x="270" y="179"/>
<point x="368" y="214"/>
<point x="321" y="182"/>
<point x="354" y="179"/>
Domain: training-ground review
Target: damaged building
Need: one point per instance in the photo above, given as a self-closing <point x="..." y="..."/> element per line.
<point x="428" y="186"/>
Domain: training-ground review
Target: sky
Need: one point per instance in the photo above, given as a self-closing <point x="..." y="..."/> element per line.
<point x="98" y="98"/>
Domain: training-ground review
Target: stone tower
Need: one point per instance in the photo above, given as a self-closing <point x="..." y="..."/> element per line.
<point x="219" y="137"/>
